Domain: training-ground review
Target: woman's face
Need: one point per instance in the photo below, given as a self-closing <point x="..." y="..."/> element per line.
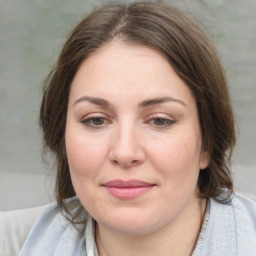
<point x="133" y="140"/>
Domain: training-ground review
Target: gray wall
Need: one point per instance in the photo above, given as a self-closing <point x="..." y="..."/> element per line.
<point x="31" y="35"/>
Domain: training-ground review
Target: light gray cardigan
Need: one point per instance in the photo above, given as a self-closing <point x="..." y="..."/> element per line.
<point x="230" y="231"/>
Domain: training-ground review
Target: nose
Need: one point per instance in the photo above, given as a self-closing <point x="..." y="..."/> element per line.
<point x="126" y="147"/>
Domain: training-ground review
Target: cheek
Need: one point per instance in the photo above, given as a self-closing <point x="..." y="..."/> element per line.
<point x="85" y="156"/>
<point x="178" y="159"/>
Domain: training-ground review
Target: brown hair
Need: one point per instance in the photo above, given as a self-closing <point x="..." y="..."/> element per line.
<point x="188" y="51"/>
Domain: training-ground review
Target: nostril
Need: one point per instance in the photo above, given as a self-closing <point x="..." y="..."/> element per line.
<point x="126" y="164"/>
<point x="115" y="162"/>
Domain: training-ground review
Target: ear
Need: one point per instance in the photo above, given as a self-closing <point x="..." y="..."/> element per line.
<point x="204" y="160"/>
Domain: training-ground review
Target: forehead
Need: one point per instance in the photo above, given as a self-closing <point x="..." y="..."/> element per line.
<point x="127" y="70"/>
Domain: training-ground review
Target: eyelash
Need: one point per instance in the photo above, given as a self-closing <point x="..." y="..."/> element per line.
<point x="164" y="122"/>
<point x="88" y="122"/>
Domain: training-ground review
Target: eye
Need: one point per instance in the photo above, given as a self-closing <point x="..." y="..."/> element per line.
<point x="161" y="122"/>
<point x="95" y="122"/>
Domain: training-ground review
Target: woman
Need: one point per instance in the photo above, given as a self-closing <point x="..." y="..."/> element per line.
<point x="138" y="115"/>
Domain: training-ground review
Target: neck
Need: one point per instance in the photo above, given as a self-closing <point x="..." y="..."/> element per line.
<point x="176" y="239"/>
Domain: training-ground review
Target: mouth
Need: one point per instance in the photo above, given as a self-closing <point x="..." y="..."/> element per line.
<point x="130" y="189"/>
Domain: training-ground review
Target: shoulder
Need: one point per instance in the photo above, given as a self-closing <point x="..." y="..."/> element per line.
<point x="15" y="227"/>
<point x="247" y="196"/>
<point x="241" y="210"/>
<point x="237" y="201"/>
<point x="244" y="200"/>
<point x="52" y="233"/>
<point x="245" y="213"/>
<point x="231" y="227"/>
<point x="241" y="205"/>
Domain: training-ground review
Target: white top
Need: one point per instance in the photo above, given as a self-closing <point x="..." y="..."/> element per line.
<point x="15" y="227"/>
<point x="228" y="230"/>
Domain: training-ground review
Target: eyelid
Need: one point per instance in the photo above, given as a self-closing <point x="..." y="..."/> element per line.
<point x="95" y="114"/>
<point x="85" y="120"/>
<point x="160" y="115"/>
<point x="152" y="117"/>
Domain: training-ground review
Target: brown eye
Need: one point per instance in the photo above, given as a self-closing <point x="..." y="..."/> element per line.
<point x="95" y="122"/>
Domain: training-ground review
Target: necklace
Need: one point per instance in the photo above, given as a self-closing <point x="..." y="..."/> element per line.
<point x="203" y="206"/>
<point x="100" y="242"/>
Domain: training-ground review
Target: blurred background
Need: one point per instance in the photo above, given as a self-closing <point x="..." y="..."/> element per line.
<point x="32" y="33"/>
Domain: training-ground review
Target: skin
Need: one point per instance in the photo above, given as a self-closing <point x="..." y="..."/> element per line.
<point x="157" y="141"/>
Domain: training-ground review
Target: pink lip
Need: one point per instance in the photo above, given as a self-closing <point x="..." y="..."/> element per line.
<point x="127" y="189"/>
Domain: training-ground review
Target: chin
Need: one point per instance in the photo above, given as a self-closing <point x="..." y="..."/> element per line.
<point x="131" y="223"/>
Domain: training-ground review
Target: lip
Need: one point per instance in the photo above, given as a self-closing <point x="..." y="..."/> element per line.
<point x="129" y="189"/>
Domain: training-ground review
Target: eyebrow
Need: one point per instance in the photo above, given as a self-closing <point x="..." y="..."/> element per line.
<point x="96" y="101"/>
<point x="145" y="103"/>
<point x="155" y="101"/>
